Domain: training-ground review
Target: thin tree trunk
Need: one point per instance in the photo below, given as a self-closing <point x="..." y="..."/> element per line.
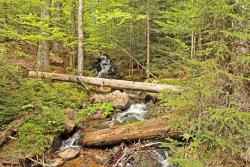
<point x="192" y="45"/>
<point x="148" y="39"/>
<point x="80" y="38"/>
<point x="74" y="34"/>
<point x="43" y="62"/>
<point x="58" y="45"/>
<point x="192" y="41"/>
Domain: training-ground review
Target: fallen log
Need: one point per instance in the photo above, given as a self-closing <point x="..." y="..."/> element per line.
<point x="145" y="130"/>
<point x="6" y="133"/>
<point x="116" y="84"/>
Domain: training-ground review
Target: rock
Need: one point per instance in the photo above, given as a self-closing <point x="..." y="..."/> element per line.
<point x="56" y="162"/>
<point x="69" y="125"/>
<point x="69" y="153"/>
<point x="119" y="99"/>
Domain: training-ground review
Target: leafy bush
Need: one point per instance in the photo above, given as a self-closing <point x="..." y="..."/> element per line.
<point x="209" y="111"/>
<point x="44" y="101"/>
<point x="33" y="134"/>
<point x="106" y="109"/>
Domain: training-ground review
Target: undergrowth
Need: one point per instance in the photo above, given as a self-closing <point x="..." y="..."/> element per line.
<point x="44" y="101"/>
<point x="105" y="108"/>
<point x="213" y="115"/>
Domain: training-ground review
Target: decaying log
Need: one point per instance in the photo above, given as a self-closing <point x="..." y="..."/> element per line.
<point x="116" y="84"/>
<point x="6" y="133"/>
<point x="145" y="130"/>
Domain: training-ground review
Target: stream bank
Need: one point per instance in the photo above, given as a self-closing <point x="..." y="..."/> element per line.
<point x="127" y="151"/>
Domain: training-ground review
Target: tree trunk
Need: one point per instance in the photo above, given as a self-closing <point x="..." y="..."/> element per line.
<point x="151" y="129"/>
<point x="148" y="39"/>
<point x="57" y="45"/>
<point x="116" y="84"/>
<point x="43" y="62"/>
<point x="80" y="38"/>
<point x="72" y="62"/>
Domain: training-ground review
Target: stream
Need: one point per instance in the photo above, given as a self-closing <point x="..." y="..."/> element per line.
<point x="155" y="156"/>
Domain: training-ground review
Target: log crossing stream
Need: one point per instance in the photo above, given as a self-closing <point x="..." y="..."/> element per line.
<point x="149" y="157"/>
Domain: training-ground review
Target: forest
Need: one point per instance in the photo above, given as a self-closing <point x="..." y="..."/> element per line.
<point x="124" y="83"/>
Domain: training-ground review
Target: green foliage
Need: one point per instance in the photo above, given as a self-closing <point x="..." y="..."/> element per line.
<point x="210" y="115"/>
<point x="45" y="101"/>
<point x="56" y="94"/>
<point x="33" y="134"/>
<point x="105" y="108"/>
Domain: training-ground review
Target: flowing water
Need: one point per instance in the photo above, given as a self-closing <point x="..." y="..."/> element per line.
<point x="106" y="70"/>
<point x="72" y="141"/>
<point x="162" y="157"/>
<point x="136" y="112"/>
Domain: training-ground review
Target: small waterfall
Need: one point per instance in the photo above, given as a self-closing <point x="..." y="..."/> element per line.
<point x="137" y="111"/>
<point x="105" y="65"/>
<point x="71" y="141"/>
<point x="162" y="157"/>
<point x="105" y="68"/>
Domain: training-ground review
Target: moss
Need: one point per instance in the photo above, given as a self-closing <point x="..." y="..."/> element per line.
<point x="45" y="101"/>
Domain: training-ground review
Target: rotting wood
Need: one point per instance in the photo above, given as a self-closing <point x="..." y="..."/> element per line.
<point x="10" y="129"/>
<point x="116" y="84"/>
<point x="146" y="130"/>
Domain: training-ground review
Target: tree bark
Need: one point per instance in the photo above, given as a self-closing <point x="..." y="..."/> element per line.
<point x="72" y="62"/>
<point x="43" y="62"/>
<point x="10" y="129"/>
<point x="116" y="84"/>
<point x="148" y="39"/>
<point x="151" y="129"/>
<point x="57" y="45"/>
<point x="80" y="38"/>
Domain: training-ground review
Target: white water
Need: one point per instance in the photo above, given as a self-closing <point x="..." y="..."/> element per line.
<point x="71" y="141"/>
<point x="105" y="64"/>
<point x="162" y="159"/>
<point x="136" y="110"/>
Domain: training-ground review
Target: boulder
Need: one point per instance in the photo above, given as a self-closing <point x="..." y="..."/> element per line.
<point x="119" y="99"/>
<point x="56" y="162"/>
<point x="69" y="125"/>
<point x="69" y="153"/>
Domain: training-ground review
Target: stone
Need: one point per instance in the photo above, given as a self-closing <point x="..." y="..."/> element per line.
<point x="69" y="125"/>
<point x="56" y="162"/>
<point x="69" y="153"/>
<point x="119" y="99"/>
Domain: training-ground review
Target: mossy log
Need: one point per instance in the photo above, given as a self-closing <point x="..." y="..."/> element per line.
<point x="144" y="130"/>
<point x="116" y="84"/>
<point x="11" y="128"/>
